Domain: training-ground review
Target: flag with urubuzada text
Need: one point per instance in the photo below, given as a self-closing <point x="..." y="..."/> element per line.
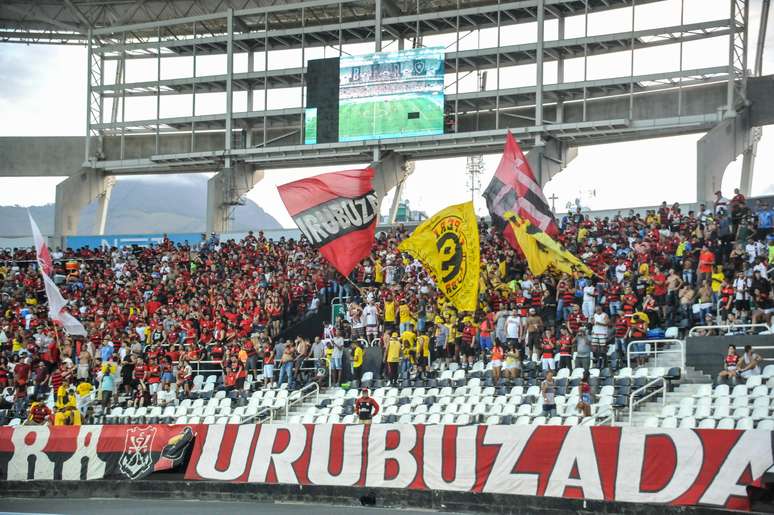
<point x="337" y="213"/>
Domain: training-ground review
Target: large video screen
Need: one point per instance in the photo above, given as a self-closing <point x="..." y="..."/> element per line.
<point x="391" y="94"/>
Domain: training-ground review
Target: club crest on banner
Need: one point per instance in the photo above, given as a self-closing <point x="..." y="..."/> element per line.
<point x="136" y="460"/>
<point x="450" y="242"/>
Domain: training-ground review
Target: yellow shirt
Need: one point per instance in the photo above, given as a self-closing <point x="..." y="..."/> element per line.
<point x="393" y="350"/>
<point x="405" y="314"/>
<point x="717" y="280"/>
<point x="389" y="311"/>
<point x="378" y="272"/>
<point x="409" y="337"/>
<point x="84" y="389"/>
<point x="357" y="357"/>
<point x="109" y="368"/>
<point x="423" y="345"/>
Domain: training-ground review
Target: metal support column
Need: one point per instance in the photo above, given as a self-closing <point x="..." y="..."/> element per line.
<point x="250" y="107"/>
<point x="560" y="69"/>
<point x="158" y="92"/>
<point x="89" y="54"/>
<point x="193" y="91"/>
<point x="541" y="18"/>
<point x="229" y="84"/>
<point x="378" y="26"/>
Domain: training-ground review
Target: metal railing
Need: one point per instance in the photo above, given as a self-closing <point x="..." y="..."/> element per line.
<point x="718" y="328"/>
<point x="305" y="392"/>
<point x="655" y="352"/>
<point x="633" y="403"/>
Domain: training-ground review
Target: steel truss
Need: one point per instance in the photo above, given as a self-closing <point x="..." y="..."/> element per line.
<point x="118" y="31"/>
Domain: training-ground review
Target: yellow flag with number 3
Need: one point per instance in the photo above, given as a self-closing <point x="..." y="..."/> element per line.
<point x="447" y="245"/>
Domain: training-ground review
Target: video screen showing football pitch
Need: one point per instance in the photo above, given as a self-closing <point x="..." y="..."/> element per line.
<point x="391" y="95"/>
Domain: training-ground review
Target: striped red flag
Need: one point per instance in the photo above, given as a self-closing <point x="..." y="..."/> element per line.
<point x="514" y="188"/>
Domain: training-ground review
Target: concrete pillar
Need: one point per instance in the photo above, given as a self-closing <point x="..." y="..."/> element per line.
<point x="224" y="194"/>
<point x="391" y="171"/>
<point x="77" y="192"/>
<point x="550" y="158"/>
<point x="717" y="149"/>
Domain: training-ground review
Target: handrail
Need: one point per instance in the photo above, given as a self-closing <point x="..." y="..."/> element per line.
<point x="726" y="326"/>
<point x="633" y="403"/>
<point x="376" y="342"/>
<point x="656" y="352"/>
<point x="313" y="388"/>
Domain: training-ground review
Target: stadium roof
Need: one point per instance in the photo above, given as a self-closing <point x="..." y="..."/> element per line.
<point x="68" y="21"/>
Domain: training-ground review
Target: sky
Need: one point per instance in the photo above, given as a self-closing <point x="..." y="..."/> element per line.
<point x="43" y="94"/>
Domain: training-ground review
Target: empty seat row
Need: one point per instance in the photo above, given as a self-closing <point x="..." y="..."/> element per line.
<point x="710" y="423"/>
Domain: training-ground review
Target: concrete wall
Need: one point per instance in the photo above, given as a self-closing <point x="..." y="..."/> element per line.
<point x="44" y="156"/>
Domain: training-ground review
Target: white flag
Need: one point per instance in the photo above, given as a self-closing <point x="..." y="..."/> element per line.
<point x="56" y="304"/>
<point x="45" y="262"/>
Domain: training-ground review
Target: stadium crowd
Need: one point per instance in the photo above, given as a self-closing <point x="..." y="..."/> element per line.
<point x="153" y="315"/>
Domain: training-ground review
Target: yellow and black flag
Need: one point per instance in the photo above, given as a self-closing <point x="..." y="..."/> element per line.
<point x="447" y="245"/>
<point x="542" y="252"/>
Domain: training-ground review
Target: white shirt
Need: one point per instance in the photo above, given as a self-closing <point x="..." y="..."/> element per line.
<point x="512" y="324"/>
<point x="589" y="294"/>
<point x="370" y="315"/>
<point x="620" y="270"/>
<point x="741" y="285"/>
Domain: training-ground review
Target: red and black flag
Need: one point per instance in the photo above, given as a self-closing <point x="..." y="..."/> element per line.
<point x="337" y="212"/>
<point x="514" y="188"/>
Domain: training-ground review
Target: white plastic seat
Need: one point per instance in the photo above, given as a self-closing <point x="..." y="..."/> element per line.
<point x="740" y="413"/>
<point x="668" y="411"/>
<point x="140" y="413"/>
<point x="688" y="423"/>
<point x="721" y="412"/>
<point x="721" y="390"/>
<point x="761" y="402"/>
<point x="571" y="421"/>
<point x="607" y="390"/>
<point x="555" y="421"/>
<point x="221" y="420"/>
<point x="234" y="419"/>
<point x="707" y="423"/>
<point x="181" y="420"/>
<point x="745" y="423"/>
<point x="768" y="371"/>
<point x="539" y="421"/>
<point x="739" y="390"/>
<point x="563" y="373"/>
<point x="225" y="403"/>
<point x="672" y="332"/>
<point x="434" y="418"/>
<point x="458" y="375"/>
<point x="405" y="419"/>
<point x="641" y="372"/>
<point x="685" y="412"/>
<point x="624" y="372"/>
<point x="655" y="373"/>
<point x="726" y="423"/>
<point x="766" y="424"/>
<point x="760" y="413"/>
<point x="492" y="420"/>
<point x="220" y="395"/>
<point x="702" y="412"/>
<point x="577" y="373"/>
<point x="195" y="420"/>
<point x="517" y="391"/>
<point x="523" y="420"/>
<point x="669" y="423"/>
<point x="449" y="417"/>
<point x="759" y="391"/>
<point x="704" y="390"/>
<point x="704" y="402"/>
<point x="722" y="402"/>
<point x="533" y="391"/>
<point x="740" y="402"/>
<point x="753" y="381"/>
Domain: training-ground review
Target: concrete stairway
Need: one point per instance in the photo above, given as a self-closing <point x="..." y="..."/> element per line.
<point x="687" y="387"/>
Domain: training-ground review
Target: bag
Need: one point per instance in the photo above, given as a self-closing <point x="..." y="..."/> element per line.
<point x="655" y="334"/>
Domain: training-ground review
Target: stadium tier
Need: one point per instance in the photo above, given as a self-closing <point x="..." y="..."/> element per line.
<point x="242" y="332"/>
